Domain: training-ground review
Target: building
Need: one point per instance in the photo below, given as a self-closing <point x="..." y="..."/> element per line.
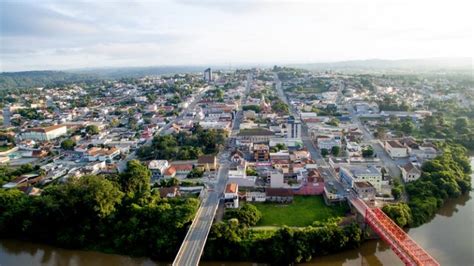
<point x="281" y="195"/>
<point x="276" y="179"/>
<point x="261" y="152"/>
<point x="44" y="133"/>
<point x="182" y="169"/>
<point x="207" y="163"/>
<point x="255" y="196"/>
<point x="170" y="172"/>
<point x="395" y="149"/>
<point x="256" y="135"/>
<point x="352" y="174"/>
<point x="293" y="128"/>
<point x="7" y="116"/>
<point x="231" y="195"/>
<point x="328" y="143"/>
<point x="364" y="190"/>
<point x="410" y="172"/>
<point x="157" y="168"/>
<point x="101" y="154"/>
<point x="169" y="192"/>
<point x="207" y="75"/>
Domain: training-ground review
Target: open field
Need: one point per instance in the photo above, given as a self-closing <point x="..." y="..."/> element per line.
<point x="302" y="212"/>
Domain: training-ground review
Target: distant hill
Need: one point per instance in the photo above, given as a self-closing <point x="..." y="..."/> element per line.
<point x="31" y="79"/>
<point x="133" y="72"/>
<point x="429" y="64"/>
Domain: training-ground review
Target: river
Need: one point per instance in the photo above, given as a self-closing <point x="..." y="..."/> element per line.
<point x="448" y="237"/>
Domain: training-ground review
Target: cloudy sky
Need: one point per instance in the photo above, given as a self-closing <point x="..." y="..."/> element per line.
<point x="67" y="34"/>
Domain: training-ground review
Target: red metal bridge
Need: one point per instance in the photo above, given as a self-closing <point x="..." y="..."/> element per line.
<point x="400" y="242"/>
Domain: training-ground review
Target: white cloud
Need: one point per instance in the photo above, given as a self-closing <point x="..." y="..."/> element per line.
<point x="72" y="34"/>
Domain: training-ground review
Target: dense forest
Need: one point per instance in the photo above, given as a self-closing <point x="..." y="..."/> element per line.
<point x="113" y="214"/>
<point x="445" y="177"/>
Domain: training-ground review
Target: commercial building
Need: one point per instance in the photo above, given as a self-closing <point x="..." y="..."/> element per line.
<point x="293" y="127"/>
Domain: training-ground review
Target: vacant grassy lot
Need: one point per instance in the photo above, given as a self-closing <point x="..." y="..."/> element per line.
<point x="302" y="212"/>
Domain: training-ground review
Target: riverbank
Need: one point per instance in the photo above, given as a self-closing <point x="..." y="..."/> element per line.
<point x="448" y="237"/>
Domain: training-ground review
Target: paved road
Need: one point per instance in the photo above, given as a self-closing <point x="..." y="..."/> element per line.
<point x="193" y="244"/>
<point x="327" y="171"/>
<point x="192" y="247"/>
<point x="386" y="160"/>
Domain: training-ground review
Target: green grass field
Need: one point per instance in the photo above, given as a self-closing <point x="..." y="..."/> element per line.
<point x="302" y="212"/>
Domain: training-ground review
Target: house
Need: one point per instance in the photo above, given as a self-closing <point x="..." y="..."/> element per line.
<point x="364" y="190"/>
<point x="101" y="154"/>
<point x="182" y="169"/>
<point x="410" y="172"/>
<point x="261" y="152"/>
<point x="281" y="195"/>
<point x="157" y="168"/>
<point x="168" y="192"/>
<point x="44" y="133"/>
<point x="170" y="172"/>
<point x="395" y="149"/>
<point x="207" y="163"/>
<point x="231" y="195"/>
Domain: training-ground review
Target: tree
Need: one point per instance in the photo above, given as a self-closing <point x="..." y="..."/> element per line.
<point x="407" y="127"/>
<point x="335" y="150"/>
<point x="68" y="144"/>
<point x="368" y="152"/>
<point x="135" y="181"/>
<point x="324" y="152"/>
<point x="195" y="173"/>
<point x="248" y="214"/>
<point x="92" y="130"/>
<point x="461" y="125"/>
<point x="333" y="122"/>
<point x="251" y="172"/>
<point x="400" y="213"/>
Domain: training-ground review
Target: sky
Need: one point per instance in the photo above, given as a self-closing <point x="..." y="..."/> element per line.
<point x="71" y="34"/>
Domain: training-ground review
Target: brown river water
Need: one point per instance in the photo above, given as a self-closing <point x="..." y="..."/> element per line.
<point x="448" y="237"/>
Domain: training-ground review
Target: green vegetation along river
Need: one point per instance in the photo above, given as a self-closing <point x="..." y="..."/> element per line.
<point x="449" y="237"/>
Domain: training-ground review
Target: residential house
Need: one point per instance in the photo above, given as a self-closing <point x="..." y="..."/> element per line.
<point x="157" y="168"/>
<point x="410" y="172"/>
<point x="364" y="190"/>
<point x="169" y="192"/>
<point x="170" y="172"/>
<point x="395" y="149"/>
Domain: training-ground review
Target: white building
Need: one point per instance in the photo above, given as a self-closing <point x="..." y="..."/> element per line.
<point x="371" y="174"/>
<point x="395" y="149"/>
<point x="328" y="143"/>
<point x="45" y="133"/>
<point x="231" y="195"/>
<point x="410" y="172"/>
<point x="157" y="168"/>
<point x="276" y="180"/>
